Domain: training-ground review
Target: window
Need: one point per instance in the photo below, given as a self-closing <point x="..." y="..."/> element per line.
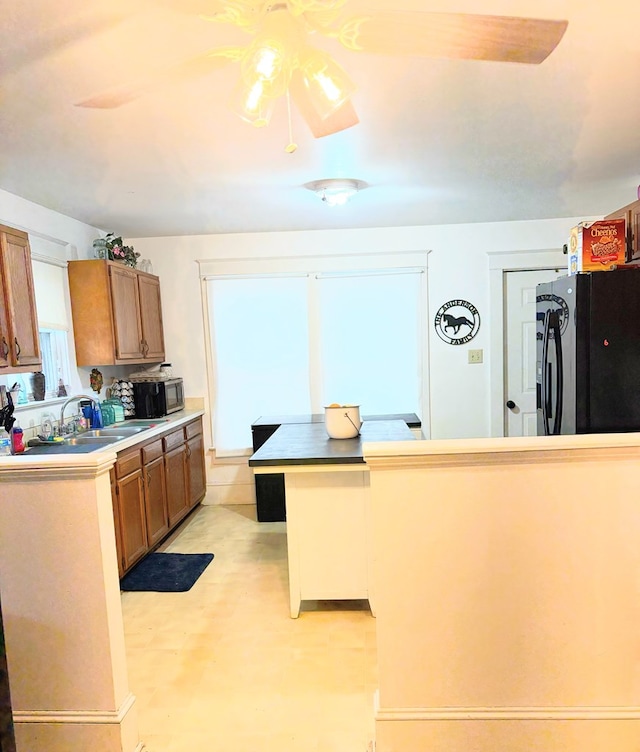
<point x="54" y="349"/>
<point x="50" y="284"/>
<point x="370" y="341"/>
<point x="290" y="345"/>
<point x="259" y="327"/>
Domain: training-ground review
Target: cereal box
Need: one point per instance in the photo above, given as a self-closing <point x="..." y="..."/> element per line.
<point x="597" y="246"/>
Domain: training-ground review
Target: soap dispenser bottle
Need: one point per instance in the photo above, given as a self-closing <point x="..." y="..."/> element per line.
<point x="96" y="415"/>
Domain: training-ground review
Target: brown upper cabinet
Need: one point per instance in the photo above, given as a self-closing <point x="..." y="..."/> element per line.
<point x="631" y="213"/>
<point x="19" y="341"/>
<point x="117" y="314"/>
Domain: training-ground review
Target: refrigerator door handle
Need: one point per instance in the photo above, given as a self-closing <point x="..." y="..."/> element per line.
<point x="555" y="325"/>
<point x="546" y="380"/>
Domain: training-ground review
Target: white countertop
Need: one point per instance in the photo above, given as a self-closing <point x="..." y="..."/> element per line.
<point x="503" y="445"/>
<point x="105" y="454"/>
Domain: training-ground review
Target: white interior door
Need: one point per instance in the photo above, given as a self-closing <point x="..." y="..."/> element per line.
<point x="520" y="348"/>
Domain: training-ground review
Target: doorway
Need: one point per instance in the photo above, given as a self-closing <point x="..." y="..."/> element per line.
<point x="499" y="263"/>
<point x="520" y="349"/>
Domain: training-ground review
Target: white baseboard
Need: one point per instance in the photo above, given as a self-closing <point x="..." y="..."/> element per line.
<point x="508" y="714"/>
<point x="81" y="717"/>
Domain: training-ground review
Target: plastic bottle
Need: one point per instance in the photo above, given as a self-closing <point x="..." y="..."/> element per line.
<point x="5" y="443"/>
<point x="17" y="440"/>
<point x="96" y="415"/>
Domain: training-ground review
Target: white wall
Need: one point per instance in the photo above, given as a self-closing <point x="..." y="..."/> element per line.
<point x="47" y="228"/>
<point x="458" y="263"/>
<point x="458" y="268"/>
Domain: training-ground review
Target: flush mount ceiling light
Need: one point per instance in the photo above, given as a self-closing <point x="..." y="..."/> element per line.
<point x="336" y="191"/>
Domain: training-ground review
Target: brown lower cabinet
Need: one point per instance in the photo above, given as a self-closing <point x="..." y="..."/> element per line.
<point x="130" y="500"/>
<point x="116" y="520"/>
<point x="155" y="492"/>
<point x="154" y="486"/>
<point x="196" y="473"/>
<point x="175" y="467"/>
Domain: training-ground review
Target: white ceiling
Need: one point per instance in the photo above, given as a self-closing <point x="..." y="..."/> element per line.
<point x="439" y="141"/>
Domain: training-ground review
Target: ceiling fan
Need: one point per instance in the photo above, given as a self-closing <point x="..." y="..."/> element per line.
<point x="281" y="59"/>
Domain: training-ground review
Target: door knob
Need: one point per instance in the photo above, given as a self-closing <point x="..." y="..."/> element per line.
<point x="511" y="404"/>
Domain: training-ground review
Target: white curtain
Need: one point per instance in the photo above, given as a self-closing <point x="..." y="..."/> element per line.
<point x="290" y="345"/>
<point x="370" y="341"/>
<point x="260" y="354"/>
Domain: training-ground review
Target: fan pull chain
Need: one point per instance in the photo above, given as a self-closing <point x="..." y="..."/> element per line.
<point x="291" y="146"/>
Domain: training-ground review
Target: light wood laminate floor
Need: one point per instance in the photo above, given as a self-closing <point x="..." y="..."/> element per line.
<point x="223" y="667"/>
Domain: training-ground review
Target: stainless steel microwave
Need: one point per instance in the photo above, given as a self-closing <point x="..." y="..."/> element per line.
<point x="153" y="399"/>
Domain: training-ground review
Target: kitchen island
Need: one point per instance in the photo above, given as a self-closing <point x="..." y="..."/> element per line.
<point x="328" y="511"/>
<point x="60" y="593"/>
<point x="270" y="493"/>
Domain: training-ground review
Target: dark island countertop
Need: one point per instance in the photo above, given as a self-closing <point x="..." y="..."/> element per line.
<point x="411" y="419"/>
<point x="308" y="444"/>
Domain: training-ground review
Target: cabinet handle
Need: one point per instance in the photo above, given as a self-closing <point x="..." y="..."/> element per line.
<point x="5" y="347"/>
<point x="188" y="451"/>
<point x="148" y="479"/>
<point x="18" y="349"/>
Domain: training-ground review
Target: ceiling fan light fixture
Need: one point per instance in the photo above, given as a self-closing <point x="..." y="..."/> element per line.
<point x="252" y="104"/>
<point x="270" y="57"/>
<point x="269" y="62"/>
<point x="327" y="83"/>
<point x="336" y="191"/>
<point x="315" y="6"/>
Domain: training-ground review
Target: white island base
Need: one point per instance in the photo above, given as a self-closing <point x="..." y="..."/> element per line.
<point x="328" y="540"/>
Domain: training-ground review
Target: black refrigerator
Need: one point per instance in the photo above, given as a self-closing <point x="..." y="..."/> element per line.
<point x="588" y="353"/>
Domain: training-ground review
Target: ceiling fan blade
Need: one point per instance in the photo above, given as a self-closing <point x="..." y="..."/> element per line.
<point x="343" y="118"/>
<point x="453" y="35"/>
<point x="195" y="7"/>
<point x="197" y="66"/>
<point x="238" y="12"/>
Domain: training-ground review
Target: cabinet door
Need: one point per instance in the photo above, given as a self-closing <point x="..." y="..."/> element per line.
<point x="197" y="471"/>
<point x="155" y="497"/>
<point x="175" y="468"/>
<point x="19" y="296"/>
<point x="126" y="313"/>
<point x="130" y="492"/>
<point x="634" y="222"/>
<point x="5" y="335"/>
<point x="631" y="215"/>
<point x="116" y="522"/>
<point x="151" y="317"/>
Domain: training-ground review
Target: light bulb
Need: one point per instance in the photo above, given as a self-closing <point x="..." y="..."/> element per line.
<point x="252" y="103"/>
<point x="327" y="83"/>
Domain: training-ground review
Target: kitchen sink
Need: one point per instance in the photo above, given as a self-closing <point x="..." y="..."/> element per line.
<point x="147" y="423"/>
<point x="84" y="439"/>
<point x="119" y="432"/>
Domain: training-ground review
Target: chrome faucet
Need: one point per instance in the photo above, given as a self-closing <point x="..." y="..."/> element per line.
<point x="75" y="398"/>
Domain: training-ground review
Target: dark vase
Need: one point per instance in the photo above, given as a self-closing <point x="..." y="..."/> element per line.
<point x="38" y="385"/>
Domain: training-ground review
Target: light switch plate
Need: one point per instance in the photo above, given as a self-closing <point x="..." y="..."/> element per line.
<point x="475" y="356"/>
